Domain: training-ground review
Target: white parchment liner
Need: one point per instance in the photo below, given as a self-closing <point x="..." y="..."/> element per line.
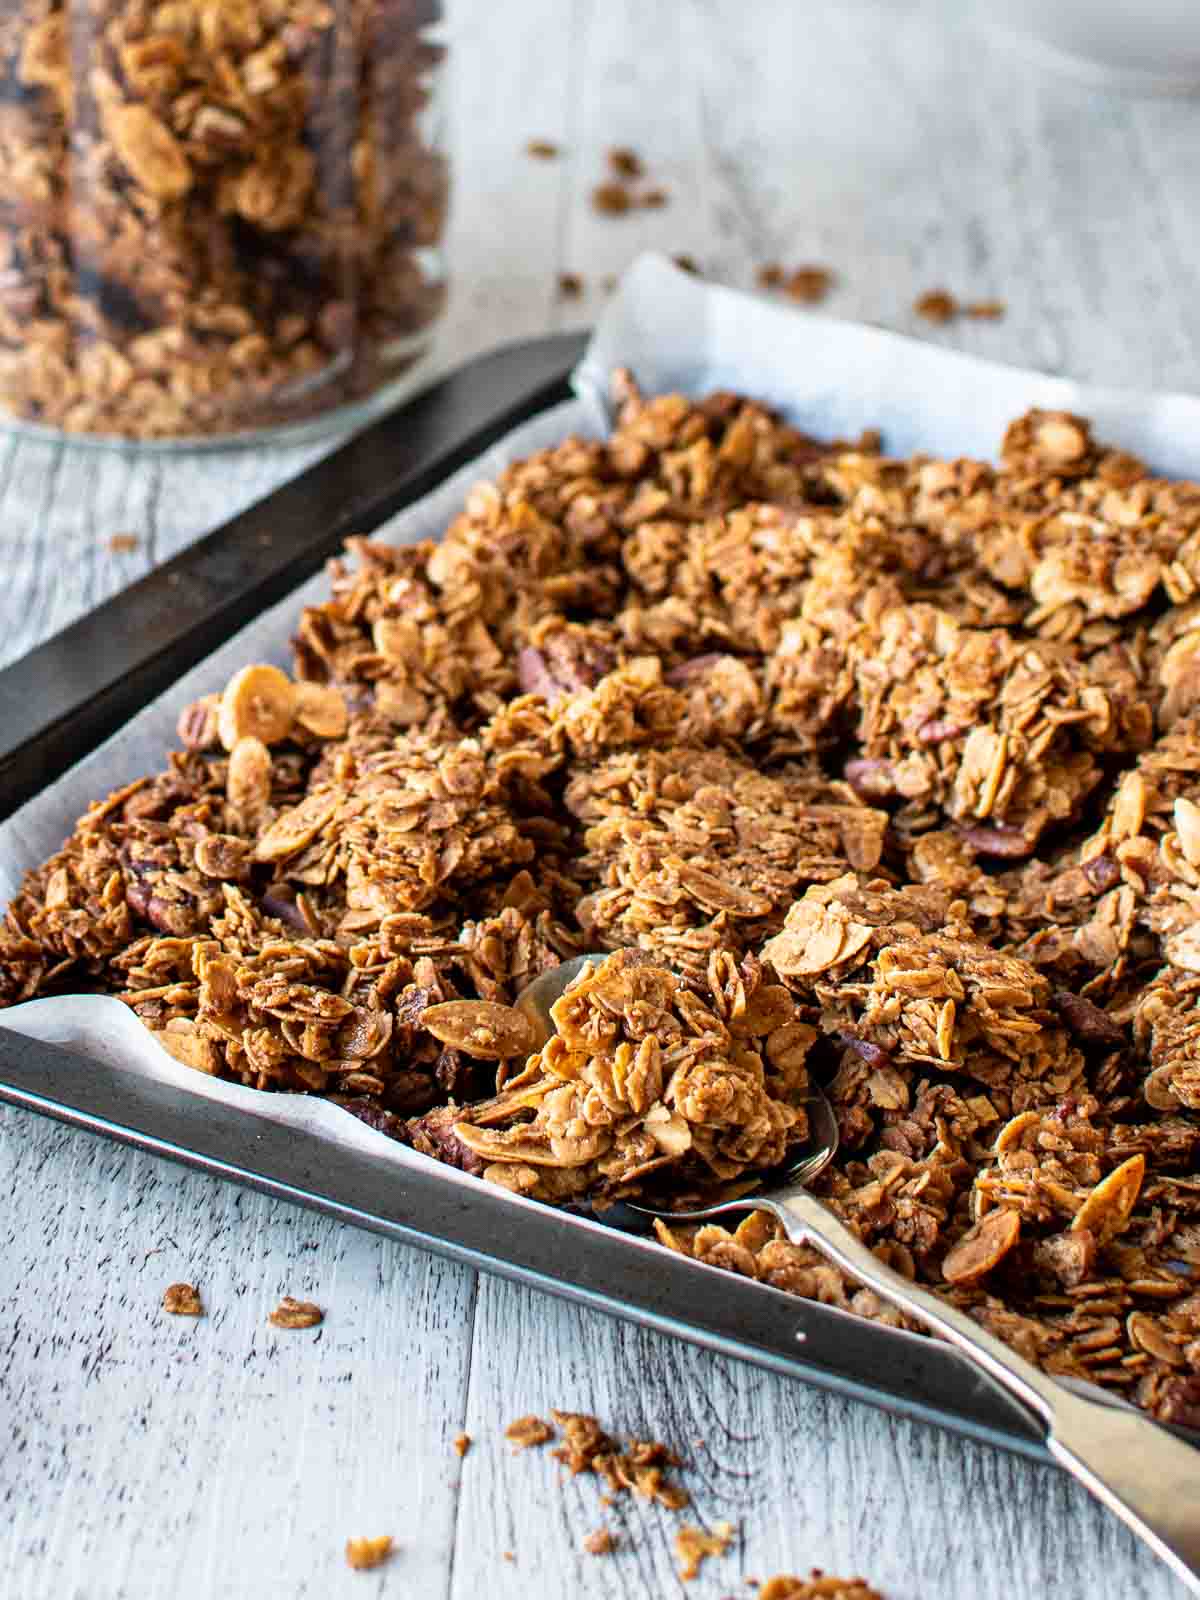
<point x="674" y="332"/>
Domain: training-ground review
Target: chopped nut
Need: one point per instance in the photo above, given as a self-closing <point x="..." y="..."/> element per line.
<point x="182" y="1300"/>
<point x="364" y="1554"/>
<point x="291" y="1313"/>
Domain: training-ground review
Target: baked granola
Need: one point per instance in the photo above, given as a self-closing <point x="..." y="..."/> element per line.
<point x="214" y="216"/>
<point x="879" y="773"/>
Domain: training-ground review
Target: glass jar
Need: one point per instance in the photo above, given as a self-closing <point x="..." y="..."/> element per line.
<point x="217" y="217"/>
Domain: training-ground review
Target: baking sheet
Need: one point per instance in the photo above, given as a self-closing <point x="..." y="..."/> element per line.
<point x="673" y="332"/>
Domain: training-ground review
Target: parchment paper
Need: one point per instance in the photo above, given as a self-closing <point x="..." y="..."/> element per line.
<point x="674" y="332"/>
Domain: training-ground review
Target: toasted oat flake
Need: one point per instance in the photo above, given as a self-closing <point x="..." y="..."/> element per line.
<point x="182" y="1300"/>
<point x="123" y="544"/>
<point x="693" y="1546"/>
<point x="611" y="199"/>
<point x="364" y="1554"/>
<point x="290" y="1313"/>
<point x="542" y="149"/>
<point x="528" y="1431"/>
<point x="599" y="1543"/>
<point x="462" y="1444"/>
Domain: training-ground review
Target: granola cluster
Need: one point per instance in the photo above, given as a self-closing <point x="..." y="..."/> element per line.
<point x="214" y="214"/>
<point x="883" y="774"/>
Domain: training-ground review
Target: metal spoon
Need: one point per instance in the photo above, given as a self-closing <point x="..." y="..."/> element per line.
<point x="1147" y="1476"/>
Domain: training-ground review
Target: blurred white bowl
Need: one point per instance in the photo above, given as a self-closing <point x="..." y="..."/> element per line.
<point x="1142" y="46"/>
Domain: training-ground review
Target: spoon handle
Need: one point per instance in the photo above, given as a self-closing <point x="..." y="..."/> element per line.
<point x="1150" y="1478"/>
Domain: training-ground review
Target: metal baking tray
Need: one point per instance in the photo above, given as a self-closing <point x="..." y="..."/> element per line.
<point x="61" y="700"/>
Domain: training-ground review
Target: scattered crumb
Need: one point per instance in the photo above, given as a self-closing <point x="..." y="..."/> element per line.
<point x="123" y="544"/>
<point x="654" y="199"/>
<point x="626" y="163"/>
<point x="611" y="200"/>
<point x="463" y="1443"/>
<point x="508" y="1555"/>
<point x="985" y="310"/>
<point x="808" y="285"/>
<point x="936" y="305"/>
<point x="570" y="286"/>
<point x="528" y="1431"/>
<point x="182" y="1300"/>
<point x="542" y="149"/>
<point x="818" y="1586"/>
<point x="687" y="263"/>
<point x="769" y="276"/>
<point x="363" y="1554"/>
<point x="693" y="1546"/>
<point x="291" y="1313"/>
<point x="640" y="1466"/>
<point x="608" y="283"/>
<point x="600" y="1543"/>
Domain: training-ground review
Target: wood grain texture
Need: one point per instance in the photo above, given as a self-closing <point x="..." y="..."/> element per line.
<point x="145" y="1455"/>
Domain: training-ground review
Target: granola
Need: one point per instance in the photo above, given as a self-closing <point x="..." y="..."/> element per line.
<point x="817" y="1586"/>
<point x="878" y="773"/>
<point x="693" y="1547"/>
<point x="365" y="1554"/>
<point x="214" y="216"/>
<point x="182" y="1300"/>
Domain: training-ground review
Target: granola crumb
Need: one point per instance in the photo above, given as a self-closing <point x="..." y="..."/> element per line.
<point x="817" y="1586"/>
<point x="600" y="1543"/>
<point x="543" y="149"/>
<point x="528" y="1432"/>
<point x="123" y="544"/>
<point x="693" y="1547"/>
<point x="182" y="1300"/>
<point x="687" y="263"/>
<point x="770" y="275"/>
<point x="363" y="1554"/>
<point x="985" y="310"/>
<point x="611" y="199"/>
<point x="462" y="1444"/>
<point x="570" y="286"/>
<point x="808" y="285"/>
<point x="507" y="1555"/>
<point x="936" y="305"/>
<point x="654" y="199"/>
<point x="291" y="1313"/>
<point x="625" y="163"/>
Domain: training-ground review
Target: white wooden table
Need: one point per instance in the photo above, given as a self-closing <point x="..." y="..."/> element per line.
<point x="145" y="1456"/>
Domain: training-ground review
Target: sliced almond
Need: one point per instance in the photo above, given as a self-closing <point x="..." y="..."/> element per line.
<point x="481" y="1028"/>
<point x="1107" y="1210"/>
<point x="257" y="703"/>
<point x="320" y="709"/>
<point x="982" y="1247"/>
